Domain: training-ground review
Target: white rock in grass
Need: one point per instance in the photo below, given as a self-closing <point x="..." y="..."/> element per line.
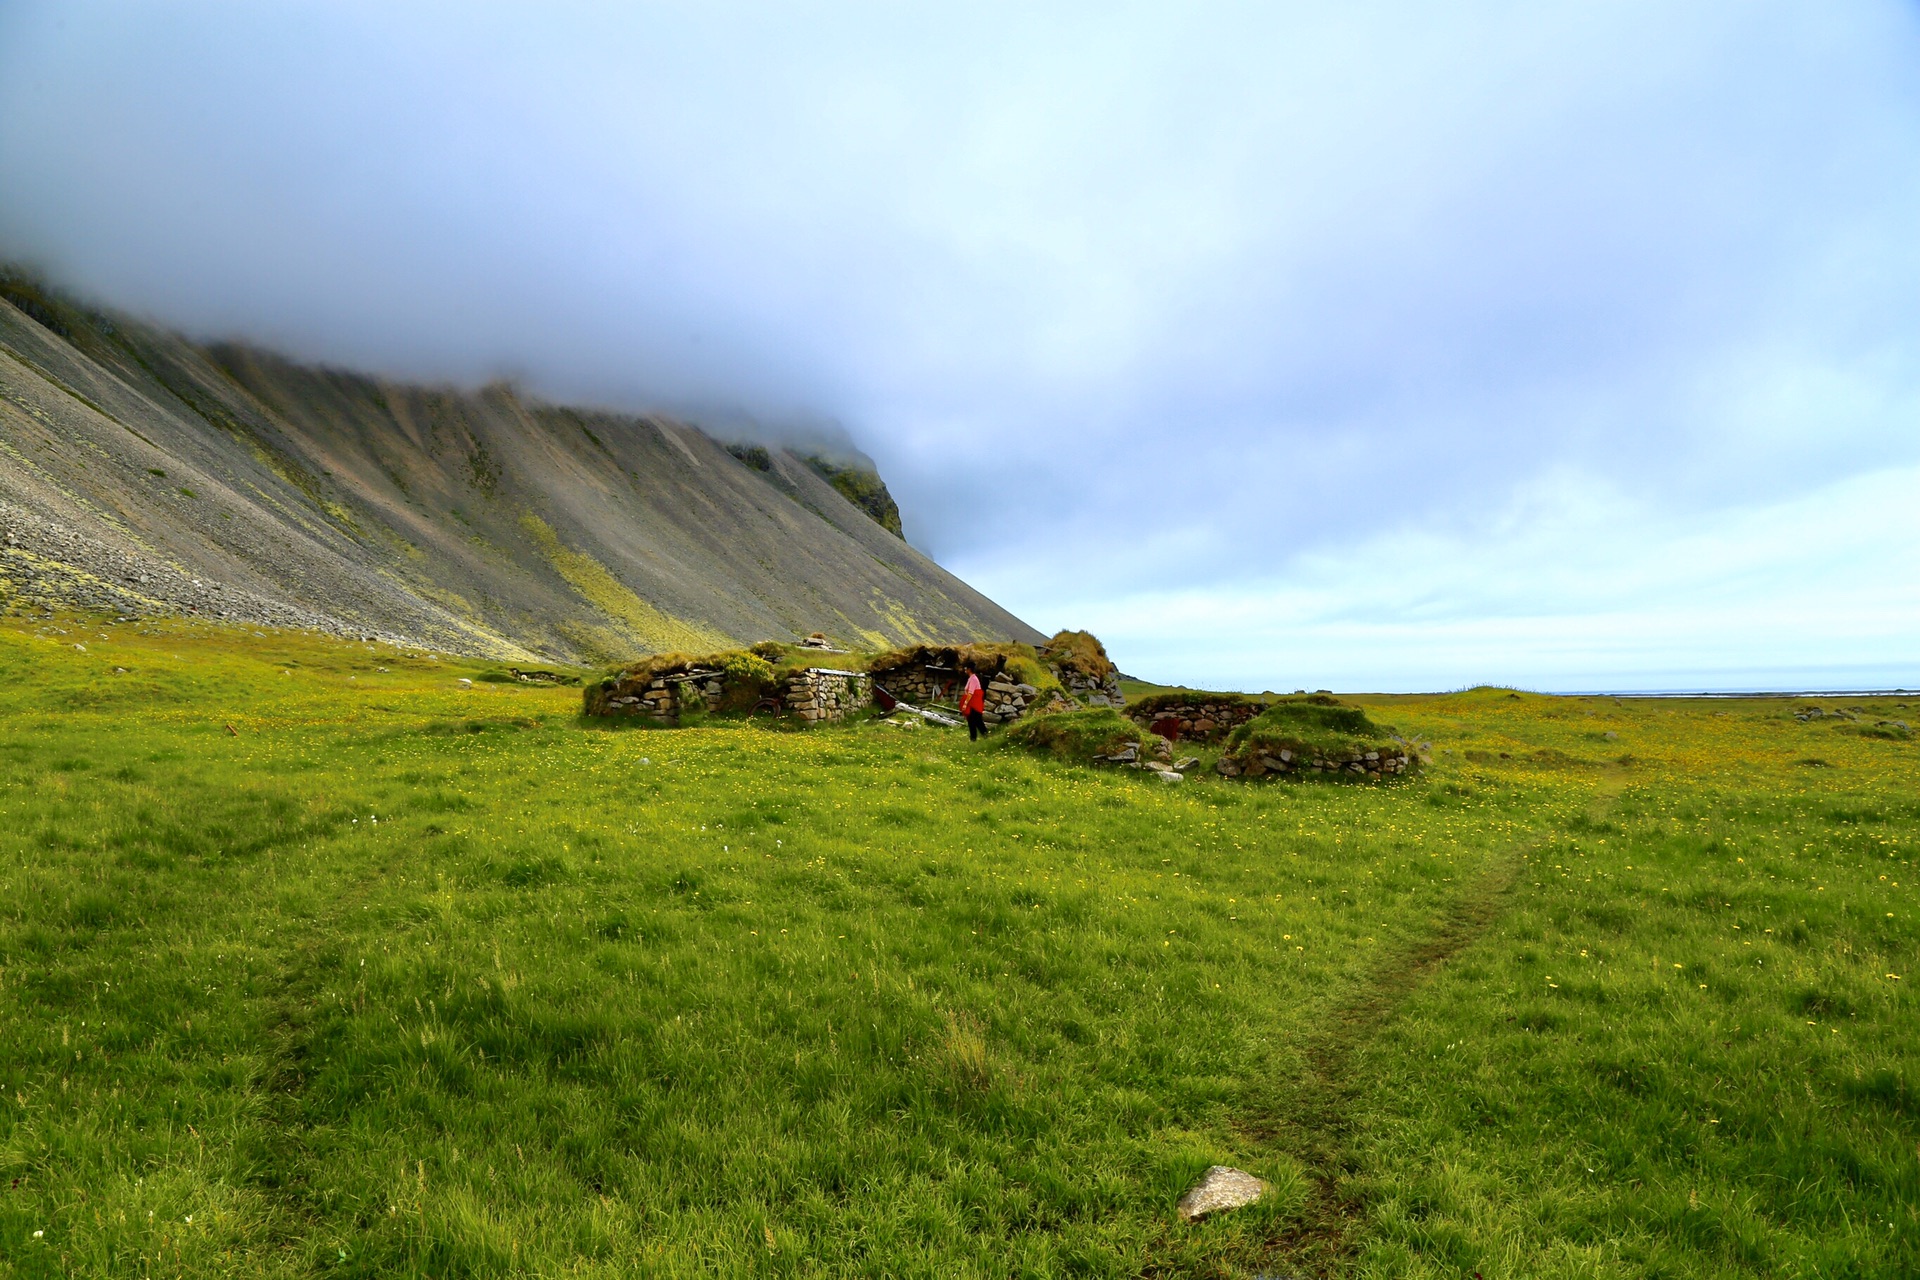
<point x="1220" y="1189"/>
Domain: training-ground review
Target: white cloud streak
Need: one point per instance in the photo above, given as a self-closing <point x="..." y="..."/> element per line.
<point x="1571" y="587"/>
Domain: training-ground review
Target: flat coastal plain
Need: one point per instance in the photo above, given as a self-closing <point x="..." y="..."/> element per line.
<point x="317" y="962"/>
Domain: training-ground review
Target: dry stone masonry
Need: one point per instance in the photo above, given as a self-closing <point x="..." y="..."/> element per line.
<point x="934" y="677"/>
<point x="811" y="695"/>
<point x="1371" y="763"/>
<point x="822" y="693"/>
<point x="926" y="676"/>
<point x="1089" y="690"/>
<point x="923" y="682"/>
<point x="1007" y="699"/>
<point x="664" y="696"/>
<point x="1157" y="759"/>
<point x="1080" y="663"/>
<point x="1199" y="718"/>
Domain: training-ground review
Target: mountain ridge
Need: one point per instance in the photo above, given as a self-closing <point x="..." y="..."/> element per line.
<point x="145" y="472"/>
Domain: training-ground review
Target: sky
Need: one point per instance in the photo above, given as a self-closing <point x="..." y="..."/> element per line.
<point x="1364" y="346"/>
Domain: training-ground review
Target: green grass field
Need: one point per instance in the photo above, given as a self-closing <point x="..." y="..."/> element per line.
<point x="401" y="978"/>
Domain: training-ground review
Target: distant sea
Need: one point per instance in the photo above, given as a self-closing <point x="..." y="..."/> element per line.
<point x="1736" y="693"/>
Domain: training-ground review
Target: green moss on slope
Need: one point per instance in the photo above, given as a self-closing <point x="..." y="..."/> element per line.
<point x="647" y="626"/>
<point x="864" y="488"/>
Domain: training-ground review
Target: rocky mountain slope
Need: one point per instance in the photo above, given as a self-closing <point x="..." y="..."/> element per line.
<point x="145" y="473"/>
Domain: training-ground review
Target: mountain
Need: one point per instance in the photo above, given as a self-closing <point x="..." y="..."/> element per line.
<point x="146" y="473"/>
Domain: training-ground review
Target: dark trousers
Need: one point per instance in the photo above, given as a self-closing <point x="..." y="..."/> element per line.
<point x="976" y="726"/>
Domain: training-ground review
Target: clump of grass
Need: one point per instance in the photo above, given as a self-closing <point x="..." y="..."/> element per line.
<point x="1314" y="716"/>
<point x="746" y="667"/>
<point x="1077" y="735"/>
<point x="963" y="1054"/>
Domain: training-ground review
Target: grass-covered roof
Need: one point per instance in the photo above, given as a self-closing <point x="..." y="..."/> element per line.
<point x="1079" y="651"/>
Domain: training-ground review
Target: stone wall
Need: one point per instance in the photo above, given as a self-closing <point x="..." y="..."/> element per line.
<point x="1085" y="689"/>
<point x="926" y="684"/>
<point x="822" y="693"/>
<point x="923" y="683"/>
<point x="813" y="695"/>
<point x="1199" y="718"/>
<point x="1007" y="700"/>
<point x="662" y="697"/>
<point x="1371" y="763"/>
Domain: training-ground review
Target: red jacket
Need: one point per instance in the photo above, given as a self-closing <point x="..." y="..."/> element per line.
<point x="975" y="698"/>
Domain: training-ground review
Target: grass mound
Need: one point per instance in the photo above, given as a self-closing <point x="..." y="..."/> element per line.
<point x="1307" y="719"/>
<point x="536" y="675"/>
<point x="748" y="678"/>
<point x="1079" y="651"/>
<point x="1077" y="735"/>
<point x="1314" y="732"/>
<point x="787" y="658"/>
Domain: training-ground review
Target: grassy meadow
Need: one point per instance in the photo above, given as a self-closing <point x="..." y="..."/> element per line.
<point x="314" y="962"/>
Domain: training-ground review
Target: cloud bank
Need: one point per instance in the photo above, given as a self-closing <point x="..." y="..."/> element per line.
<point x="1382" y="346"/>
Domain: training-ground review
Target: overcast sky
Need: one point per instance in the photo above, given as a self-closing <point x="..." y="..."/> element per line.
<point x="1361" y="346"/>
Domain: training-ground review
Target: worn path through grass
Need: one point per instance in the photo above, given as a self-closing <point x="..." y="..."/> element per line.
<point x="1313" y="1115"/>
<point x="1685" y="1044"/>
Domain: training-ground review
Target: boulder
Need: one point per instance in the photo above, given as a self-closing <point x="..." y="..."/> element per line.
<point x="1221" y="1188"/>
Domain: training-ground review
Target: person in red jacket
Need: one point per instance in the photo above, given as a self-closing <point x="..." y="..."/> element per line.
<point x="973" y="705"/>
